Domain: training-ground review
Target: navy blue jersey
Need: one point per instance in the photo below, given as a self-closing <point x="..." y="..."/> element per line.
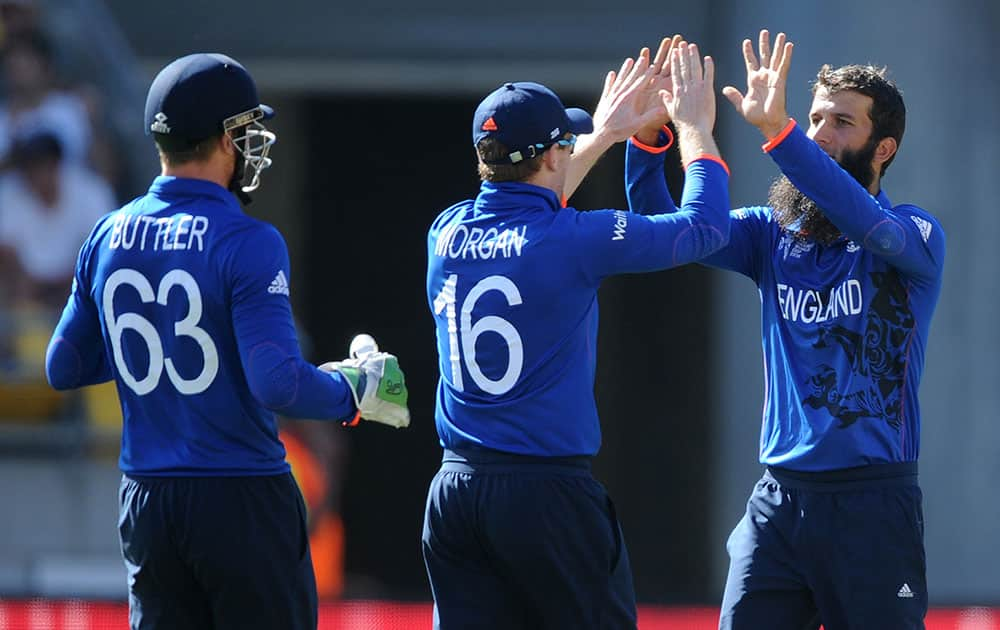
<point x="183" y="299"/>
<point x="844" y="325"/>
<point x="512" y="281"/>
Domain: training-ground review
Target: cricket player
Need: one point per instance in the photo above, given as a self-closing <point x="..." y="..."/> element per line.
<point x="183" y="300"/>
<point x="517" y="532"/>
<point x="833" y="532"/>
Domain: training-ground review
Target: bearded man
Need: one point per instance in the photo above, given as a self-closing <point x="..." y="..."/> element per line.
<point x="833" y="532"/>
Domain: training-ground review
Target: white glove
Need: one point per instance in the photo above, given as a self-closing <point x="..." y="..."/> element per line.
<point x="378" y="387"/>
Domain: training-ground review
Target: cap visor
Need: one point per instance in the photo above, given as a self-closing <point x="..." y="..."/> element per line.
<point x="268" y="111"/>
<point x="580" y="121"/>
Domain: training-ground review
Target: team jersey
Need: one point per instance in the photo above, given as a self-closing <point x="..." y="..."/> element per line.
<point x="183" y="300"/>
<point x="844" y="326"/>
<point x="512" y="282"/>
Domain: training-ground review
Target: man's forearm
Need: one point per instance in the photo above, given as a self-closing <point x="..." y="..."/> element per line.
<point x="694" y="142"/>
<point x="589" y="148"/>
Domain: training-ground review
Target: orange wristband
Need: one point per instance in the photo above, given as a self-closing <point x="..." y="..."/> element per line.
<point x="353" y="422"/>
<point x="713" y="158"/>
<point x="776" y="140"/>
<point x="649" y="149"/>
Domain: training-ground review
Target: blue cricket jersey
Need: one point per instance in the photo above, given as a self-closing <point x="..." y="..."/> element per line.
<point x="844" y="325"/>
<point x="512" y="282"/>
<point x="183" y="300"/>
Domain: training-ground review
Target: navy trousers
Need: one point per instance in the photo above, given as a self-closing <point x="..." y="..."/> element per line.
<point x="514" y="542"/>
<point x="216" y="553"/>
<point x="842" y="548"/>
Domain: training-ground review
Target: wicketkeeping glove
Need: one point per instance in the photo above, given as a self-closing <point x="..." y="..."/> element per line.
<point x="378" y="387"/>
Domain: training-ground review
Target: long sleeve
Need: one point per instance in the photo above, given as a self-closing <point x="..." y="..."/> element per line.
<point x="76" y="356"/>
<point x="906" y="237"/>
<point x="622" y="242"/>
<point x="646" y="191"/>
<point x="645" y="185"/>
<point x="277" y="374"/>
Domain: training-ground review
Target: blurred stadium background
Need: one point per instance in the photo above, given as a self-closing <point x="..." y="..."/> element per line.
<point x="374" y="102"/>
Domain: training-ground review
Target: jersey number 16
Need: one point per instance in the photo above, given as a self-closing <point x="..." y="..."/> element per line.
<point x="468" y="332"/>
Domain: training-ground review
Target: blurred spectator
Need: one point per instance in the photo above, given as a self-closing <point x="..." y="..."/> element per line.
<point x="48" y="205"/>
<point x="33" y="100"/>
<point x="17" y="17"/>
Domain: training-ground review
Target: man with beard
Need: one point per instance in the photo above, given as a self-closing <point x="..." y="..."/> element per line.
<point x="833" y="532"/>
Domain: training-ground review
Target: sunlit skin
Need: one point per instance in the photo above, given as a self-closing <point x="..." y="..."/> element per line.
<point x="840" y="121"/>
<point x="218" y="167"/>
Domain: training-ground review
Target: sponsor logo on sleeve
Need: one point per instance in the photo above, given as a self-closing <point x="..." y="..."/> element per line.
<point x="923" y="225"/>
<point x="279" y="285"/>
<point x="621" y="223"/>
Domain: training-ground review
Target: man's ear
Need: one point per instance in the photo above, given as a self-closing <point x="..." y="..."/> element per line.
<point x="227" y="145"/>
<point x="551" y="158"/>
<point x="885" y="149"/>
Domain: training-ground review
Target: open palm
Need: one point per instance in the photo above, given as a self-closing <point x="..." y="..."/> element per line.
<point x="617" y="113"/>
<point x="763" y="105"/>
<point x="691" y="101"/>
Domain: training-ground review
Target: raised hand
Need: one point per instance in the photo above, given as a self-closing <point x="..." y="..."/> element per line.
<point x="763" y="106"/>
<point x="622" y="110"/>
<point x="652" y="103"/>
<point x="691" y="101"/>
<point x="619" y="111"/>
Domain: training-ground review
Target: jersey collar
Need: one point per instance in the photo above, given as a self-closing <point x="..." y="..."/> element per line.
<point x="497" y="196"/>
<point x="167" y="185"/>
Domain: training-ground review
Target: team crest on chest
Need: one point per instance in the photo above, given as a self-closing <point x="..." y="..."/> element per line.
<point x="793" y="247"/>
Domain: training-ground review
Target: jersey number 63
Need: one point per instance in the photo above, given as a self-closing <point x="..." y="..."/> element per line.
<point x="187" y="327"/>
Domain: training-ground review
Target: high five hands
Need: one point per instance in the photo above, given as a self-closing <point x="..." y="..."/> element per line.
<point x="690" y="102"/>
<point x="630" y="98"/>
<point x="763" y="105"/>
<point x="677" y="85"/>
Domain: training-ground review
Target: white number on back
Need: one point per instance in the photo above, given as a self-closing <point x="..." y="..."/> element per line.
<point x="186" y="327"/>
<point x="469" y="333"/>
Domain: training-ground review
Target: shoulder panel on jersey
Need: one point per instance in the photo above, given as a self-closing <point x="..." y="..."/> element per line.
<point x="449" y="213"/>
<point x="87" y="250"/>
<point x="929" y="228"/>
<point x="918" y="211"/>
<point x="253" y="258"/>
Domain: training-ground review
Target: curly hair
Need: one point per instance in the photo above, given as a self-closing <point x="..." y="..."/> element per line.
<point x="888" y="113"/>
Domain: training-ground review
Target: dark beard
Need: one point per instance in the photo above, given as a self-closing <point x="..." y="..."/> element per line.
<point x="800" y="216"/>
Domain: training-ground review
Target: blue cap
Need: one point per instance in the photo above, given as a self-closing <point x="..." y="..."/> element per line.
<point x="202" y="95"/>
<point x="524" y="115"/>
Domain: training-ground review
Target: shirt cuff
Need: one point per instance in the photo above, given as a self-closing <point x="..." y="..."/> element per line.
<point x="776" y="140"/>
<point x="712" y="158"/>
<point x="665" y="136"/>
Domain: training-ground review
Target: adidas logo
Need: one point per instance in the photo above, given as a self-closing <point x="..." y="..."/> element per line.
<point x="279" y="284"/>
<point x="905" y="592"/>
<point x="924" y="226"/>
